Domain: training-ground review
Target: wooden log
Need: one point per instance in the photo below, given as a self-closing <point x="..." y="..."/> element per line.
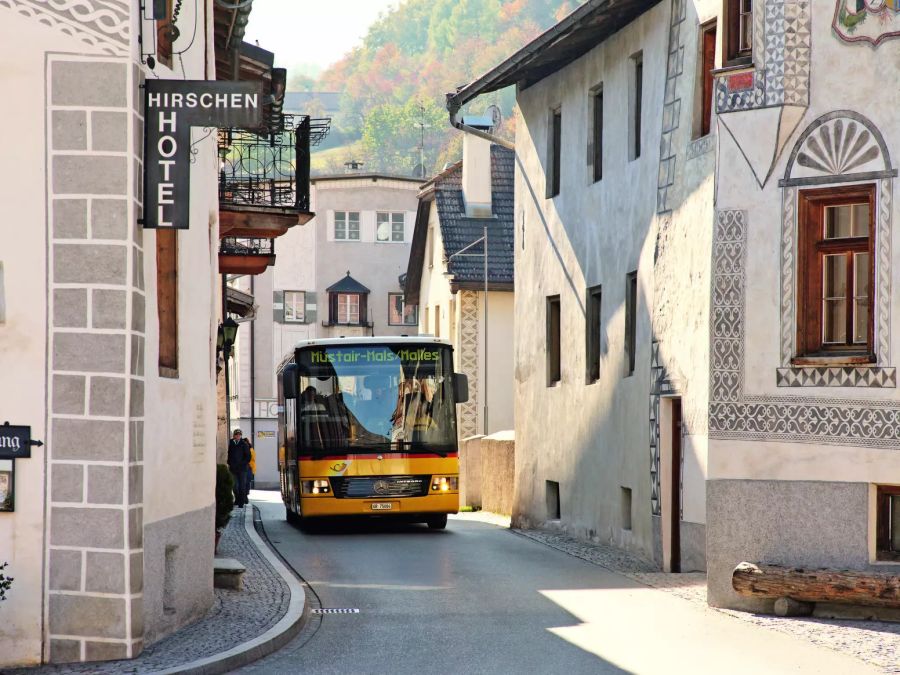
<point x="840" y="586"/>
<point x="791" y="607"/>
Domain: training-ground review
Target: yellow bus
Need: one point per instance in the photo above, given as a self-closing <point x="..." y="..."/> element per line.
<point x="367" y="426"/>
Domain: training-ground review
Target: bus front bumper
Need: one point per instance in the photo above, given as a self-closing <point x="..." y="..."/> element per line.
<point x="315" y="507"/>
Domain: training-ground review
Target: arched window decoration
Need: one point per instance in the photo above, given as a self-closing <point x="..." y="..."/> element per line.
<point x="835" y="252"/>
<point x="839" y="147"/>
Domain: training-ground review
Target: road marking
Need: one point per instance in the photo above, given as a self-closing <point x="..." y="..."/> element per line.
<point x="335" y="610"/>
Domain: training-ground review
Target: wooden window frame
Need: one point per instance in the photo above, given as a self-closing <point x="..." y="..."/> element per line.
<point x="391" y="297"/>
<point x="554" y="340"/>
<point x="883" y="548"/>
<point x="631" y="301"/>
<point x="733" y="54"/>
<point x="597" y="133"/>
<point x="164" y="42"/>
<point x="334" y="309"/>
<point x="707" y="61"/>
<point x="302" y="318"/>
<point x="554" y="166"/>
<point x="593" y="332"/>
<point x="811" y="248"/>
<point x="167" y="300"/>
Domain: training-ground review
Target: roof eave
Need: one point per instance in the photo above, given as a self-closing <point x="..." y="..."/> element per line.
<point x="514" y="69"/>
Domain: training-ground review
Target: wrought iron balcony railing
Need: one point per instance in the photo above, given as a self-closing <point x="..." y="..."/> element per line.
<point x="241" y="246"/>
<point x="269" y="168"/>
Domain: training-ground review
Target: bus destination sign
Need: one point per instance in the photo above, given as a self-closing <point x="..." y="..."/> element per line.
<point x="374" y="355"/>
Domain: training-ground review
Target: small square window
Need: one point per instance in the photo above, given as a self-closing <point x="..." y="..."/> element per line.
<point x="401" y="314"/>
<point x="346" y="225"/>
<point x="389" y="227"/>
<point x="887" y="522"/>
<point x="294" y="306"/>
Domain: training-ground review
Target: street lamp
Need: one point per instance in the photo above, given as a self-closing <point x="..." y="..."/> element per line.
<point x="224" y="342"/>
<point x="462" y="254"/>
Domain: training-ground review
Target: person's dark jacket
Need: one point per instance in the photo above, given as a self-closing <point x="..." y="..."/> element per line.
<point x="238" y="455"/>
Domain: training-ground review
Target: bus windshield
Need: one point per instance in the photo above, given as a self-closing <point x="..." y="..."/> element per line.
<point x="378" y="398"/>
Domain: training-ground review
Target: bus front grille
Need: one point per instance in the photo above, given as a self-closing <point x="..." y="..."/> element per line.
<point x="363" y="487"/>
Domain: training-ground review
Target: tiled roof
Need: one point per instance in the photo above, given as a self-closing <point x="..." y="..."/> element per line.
<point x="459" y="230"/>
<point x="347" y="285"/>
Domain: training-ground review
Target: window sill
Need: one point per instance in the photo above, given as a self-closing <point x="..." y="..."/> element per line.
<point x="168" y="373"/>
<point x="861" y="360"/>
<point x="378" y="241"/>
<point x="735" y="66"/>
<point x="886" y="558"/>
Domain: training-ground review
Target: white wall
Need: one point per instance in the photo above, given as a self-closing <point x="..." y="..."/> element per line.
<point x="23" y="255"/>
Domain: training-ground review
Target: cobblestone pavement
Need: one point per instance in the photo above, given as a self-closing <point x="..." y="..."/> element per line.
<point x="874" y="642"/>
<point x="235" y="617"/>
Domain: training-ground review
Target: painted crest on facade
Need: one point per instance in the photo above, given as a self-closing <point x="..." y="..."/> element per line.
<point x="872" y="21"/>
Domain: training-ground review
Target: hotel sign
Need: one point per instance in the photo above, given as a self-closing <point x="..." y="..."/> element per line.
<point x="171" y="108"/>
<point x="15" y="442"/>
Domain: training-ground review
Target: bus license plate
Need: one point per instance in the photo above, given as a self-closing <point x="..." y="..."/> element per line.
<point x="382" y="506"/>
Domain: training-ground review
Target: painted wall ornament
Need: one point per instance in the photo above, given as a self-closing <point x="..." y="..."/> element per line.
<point x="871" y="21"/>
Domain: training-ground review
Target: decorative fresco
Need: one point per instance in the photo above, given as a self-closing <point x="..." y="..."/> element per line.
<point x="868" y="21"/>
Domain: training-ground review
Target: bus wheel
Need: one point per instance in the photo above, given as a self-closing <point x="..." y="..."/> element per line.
<point x="437" y="522"/>
<point x="290" y="516"/>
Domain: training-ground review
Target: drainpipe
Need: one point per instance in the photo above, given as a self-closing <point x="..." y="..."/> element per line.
<point x="253" y="371"/>
<point x="453" y="107"/>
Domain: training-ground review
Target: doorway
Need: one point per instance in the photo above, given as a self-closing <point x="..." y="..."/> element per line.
<point x="675" y="489"/>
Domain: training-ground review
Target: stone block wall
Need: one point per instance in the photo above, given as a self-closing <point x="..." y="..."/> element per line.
<point x="96" y="360"/>
<point x="498" y="471"/>
<point x="470" y="472"/>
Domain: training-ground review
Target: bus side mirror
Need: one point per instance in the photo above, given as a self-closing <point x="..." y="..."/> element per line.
<point x="460" y="387"/>
<point x="289" y="381"/>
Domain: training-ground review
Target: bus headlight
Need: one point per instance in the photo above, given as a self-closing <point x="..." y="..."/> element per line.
<point x="316" y="487"/>
<point x="444" y="483"/>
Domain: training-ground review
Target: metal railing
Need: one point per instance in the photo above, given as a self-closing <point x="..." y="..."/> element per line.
<point x="242" y="246"/>
<point x="269" y="168"/>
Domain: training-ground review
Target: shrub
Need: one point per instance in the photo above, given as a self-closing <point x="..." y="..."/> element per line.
<point x="224" y="495"/>
<point x="5" y="582"/>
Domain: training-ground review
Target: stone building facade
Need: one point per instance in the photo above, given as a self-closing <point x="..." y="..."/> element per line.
<point x="803" y="407"/>
<point x="111" y="539"/>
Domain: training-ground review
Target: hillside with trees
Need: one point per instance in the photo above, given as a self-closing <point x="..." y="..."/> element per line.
<point x="392" y="112"/>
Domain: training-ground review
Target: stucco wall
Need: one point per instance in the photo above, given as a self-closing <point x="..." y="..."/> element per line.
<point x="88" y="367"/>
<point x="795" y="492"/>
<point x="23" y="333"/>
<point x="590" y="438"/>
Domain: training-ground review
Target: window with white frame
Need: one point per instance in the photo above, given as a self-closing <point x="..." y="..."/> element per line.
<point x="294" y="306"/>
<point x="401" y="314"/>
<point x="389" y="227"/>
<point x="348" y="308"/>
<point x="346" y="225"/>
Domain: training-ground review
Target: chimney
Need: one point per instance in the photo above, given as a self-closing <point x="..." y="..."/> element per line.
<point x="476" y="174"/>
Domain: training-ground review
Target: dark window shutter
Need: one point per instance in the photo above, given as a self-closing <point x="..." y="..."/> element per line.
<point x="310" y="313"/>
<point x="278" y="306"/>
<point x="363" y="308"/>
<point x="332" y="308"/>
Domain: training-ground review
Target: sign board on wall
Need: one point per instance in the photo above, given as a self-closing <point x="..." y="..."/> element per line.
<point x="15" y="442"/>
<point x="171" y="108"/>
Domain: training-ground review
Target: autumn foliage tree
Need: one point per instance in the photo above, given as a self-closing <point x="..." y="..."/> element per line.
<point x="394" y="84"/>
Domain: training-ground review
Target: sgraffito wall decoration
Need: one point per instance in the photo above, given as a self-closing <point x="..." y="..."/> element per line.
<point x="841" y="146"/>
<point x="868" y="22"/>
<point x="737" y="415"/>
<point x="104" y="24"/>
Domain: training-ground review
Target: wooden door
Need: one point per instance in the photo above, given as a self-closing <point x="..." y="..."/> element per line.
<point x="675" y="507"/>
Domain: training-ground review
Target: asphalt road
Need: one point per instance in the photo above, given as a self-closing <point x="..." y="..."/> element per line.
<point x="477" y="598"/>
<point x="467" y="599"/>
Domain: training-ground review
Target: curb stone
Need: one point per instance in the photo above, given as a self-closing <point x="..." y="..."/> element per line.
<point x="273" y="639"/>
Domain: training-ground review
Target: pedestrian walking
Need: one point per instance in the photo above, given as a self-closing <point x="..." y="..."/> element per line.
<point x="251" y="479"/>
<point x="239" y="456"/>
